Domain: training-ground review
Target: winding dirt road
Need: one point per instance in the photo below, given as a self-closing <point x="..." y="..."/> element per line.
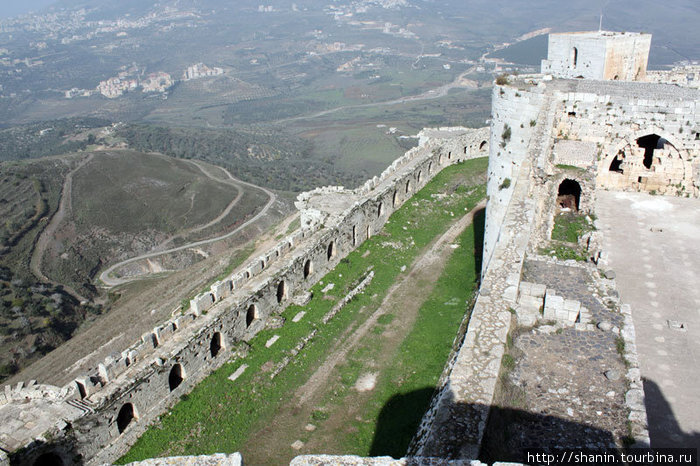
<point x="49" y="232"/>
<point x="436" y="93"/>
<point x="109" y="281"/>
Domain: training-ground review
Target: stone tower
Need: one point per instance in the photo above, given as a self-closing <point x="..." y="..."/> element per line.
<point x="600" y="55"/>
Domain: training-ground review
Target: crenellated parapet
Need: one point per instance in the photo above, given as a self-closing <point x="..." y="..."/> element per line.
<point x="111" y="405"/>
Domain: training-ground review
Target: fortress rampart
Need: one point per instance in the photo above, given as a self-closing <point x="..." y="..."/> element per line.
<point x="553" y="143"/>
<point x="95" y="418"/>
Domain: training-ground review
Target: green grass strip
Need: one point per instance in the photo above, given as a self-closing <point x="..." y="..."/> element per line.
<point x="219" y="415"/>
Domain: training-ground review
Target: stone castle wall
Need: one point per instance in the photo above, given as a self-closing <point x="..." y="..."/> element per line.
<point x="95" y="418"/>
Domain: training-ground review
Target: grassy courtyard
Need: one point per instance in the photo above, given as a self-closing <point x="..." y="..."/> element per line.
<point x="403" y="355"/>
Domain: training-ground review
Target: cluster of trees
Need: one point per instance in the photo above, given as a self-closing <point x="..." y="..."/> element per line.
<point x="46" y="138"/>
<point x="34" y="319"/>
<point x="272" y="159"/>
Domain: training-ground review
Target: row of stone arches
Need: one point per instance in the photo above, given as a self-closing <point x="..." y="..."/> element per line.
<point x="128" y="412"/>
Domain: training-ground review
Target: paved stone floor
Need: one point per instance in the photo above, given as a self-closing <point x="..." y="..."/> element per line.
<point x="653" y="245"/>
<point x="566" y="388"/>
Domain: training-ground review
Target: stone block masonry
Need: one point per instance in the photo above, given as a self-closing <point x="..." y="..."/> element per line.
<point x="95" y="418"/>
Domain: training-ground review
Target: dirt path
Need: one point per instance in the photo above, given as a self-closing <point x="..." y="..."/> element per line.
<point x="436" y="93"/>
<point x="123" y="325"/>
<point x="110" y="281"/>
<point x="404" y="300"/>
<point x="64" y="206"/>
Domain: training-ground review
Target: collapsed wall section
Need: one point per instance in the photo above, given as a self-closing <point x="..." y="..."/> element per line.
<point x="95" y="418"/>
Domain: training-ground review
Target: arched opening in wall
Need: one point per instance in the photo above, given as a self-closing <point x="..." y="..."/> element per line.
<point x="262" y="265"/>
<point x="616" y="77"/>
<point x="395" y="199"/>
<point x="369" y="231"/>
<point x="650" y="143"/>
<point x="380" y="209"/>
<point x="449" y="155"/>
<point x="251" y="315"/>
<point x="440" y="159"/>
<point x="616" y="164"/>
<point x="49" y="459"/>
<point x="569" y="195"/>
<point x="81" y="389"/>
<point x="215" y="344"/>
<point x="247" y="274"/>
<point x="574" y="57"/>
<point x="408" y="186"/>
<point x="281" y="291"/>
<point x="154" y="340"/>
<point x="354" y="235"/>
<point x="420" y="176"/>
<point x="309" y="266"/>
<point x="465" y="149"/>
<point x="482" y="146"/>
<point x="330" y="253"/>
<point x="125" y="416"/>
<point x="430" y="168"/>
<point x="175" y="377"/>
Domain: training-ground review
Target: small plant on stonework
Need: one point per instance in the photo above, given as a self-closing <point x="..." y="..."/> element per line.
<point x="508" y="362"/>
<point x="652" y="192"/>
<point x="505" y="184"/>
<point x="505" y="136"/>
<point x="532" y="123"/>
<point x="502" y="80"/>
<point x="620" y="346"/>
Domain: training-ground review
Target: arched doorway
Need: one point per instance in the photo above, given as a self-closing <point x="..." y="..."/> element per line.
<point x="309" y="266"/>
<point x="281" y="291"/>
<point x="215" y="344"/>
<point x="569" y="195"/>
<point x="251" y="315"/>
<point x="175" y="377"/>
<point x="125" y="416"/>
<point x="330" y="253"/>
<point x="49" y="459"/>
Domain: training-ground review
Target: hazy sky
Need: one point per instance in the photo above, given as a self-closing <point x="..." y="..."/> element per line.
<point x="10" y="8"/>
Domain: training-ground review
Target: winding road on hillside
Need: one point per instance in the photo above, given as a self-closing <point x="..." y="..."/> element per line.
<point x="49" y="232"/>
<point x="440" y="91"/>
<point x="110" y="282"/>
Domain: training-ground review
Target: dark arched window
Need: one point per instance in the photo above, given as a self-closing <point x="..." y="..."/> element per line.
<point x="49" y="459"/>
<point x="251" y="315"/>
<point x="125" y="416"/>
<point x="569" y="194"/>
<point x="215" y="345"/>
<point x="281" y="291"/>
<point x="175" y="377"/>
<point x="309" y="266"/>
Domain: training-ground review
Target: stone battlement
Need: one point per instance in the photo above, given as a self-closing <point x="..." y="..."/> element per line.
<point x="108" y="408"/>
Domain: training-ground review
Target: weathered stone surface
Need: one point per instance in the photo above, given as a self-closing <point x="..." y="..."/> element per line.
<point x="218" y="459"/>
